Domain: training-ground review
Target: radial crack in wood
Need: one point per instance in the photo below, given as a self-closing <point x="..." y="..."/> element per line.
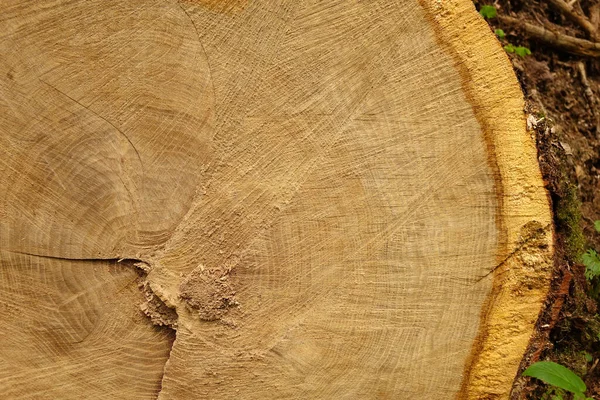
<point x="73" y="329"/>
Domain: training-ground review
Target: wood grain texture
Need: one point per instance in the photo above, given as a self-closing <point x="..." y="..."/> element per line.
<point x="107" y="113"/>
<point x="522" y="275"/>
<point x="73" y="329"/>
<point x="330" y="194"/>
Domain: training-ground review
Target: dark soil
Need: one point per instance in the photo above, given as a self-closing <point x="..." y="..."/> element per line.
<point x="565" y="104"/>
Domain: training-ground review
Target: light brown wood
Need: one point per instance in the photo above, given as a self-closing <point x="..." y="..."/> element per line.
<point x="338" y="200"/>
<point x="73" y="330"/>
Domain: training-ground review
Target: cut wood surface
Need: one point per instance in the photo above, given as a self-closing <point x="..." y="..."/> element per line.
<point x="316" y="199"/>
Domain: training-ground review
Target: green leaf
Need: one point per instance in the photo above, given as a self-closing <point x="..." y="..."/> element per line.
<point x="500" y="33"/>
<point x="522" y="51"/>
<point x="597" y="225"/>
<point x="588" y="357"/>
<point x="556" y="375"/>
<point x="509" y="48"/>
<point x="487" y="11"/>
<point x="592" y="264"/>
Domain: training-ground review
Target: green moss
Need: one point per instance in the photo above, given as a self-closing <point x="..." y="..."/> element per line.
<point x="574" y="359"/>
<point x="592" y="329"/>
<point x="568" y="216"/>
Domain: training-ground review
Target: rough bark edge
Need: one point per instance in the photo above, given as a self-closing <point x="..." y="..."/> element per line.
<point x="522" y="274"/>
<point x="569" y="242"/>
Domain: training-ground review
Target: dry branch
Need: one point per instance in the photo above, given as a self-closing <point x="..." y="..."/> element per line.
<point x="589" y="93"/>
<point x="561" y="41"/>
<point x="581" y="20"/>
<point x="588" y="90"/>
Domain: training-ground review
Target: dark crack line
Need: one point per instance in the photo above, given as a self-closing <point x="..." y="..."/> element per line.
<point x="164" y="370"/>
<point x="108" y="259"/>
<point x="103" y="119"/>
<point x="212" y="84"/>
<point x="528" y="240"/>
<point x="131" y="262"/>
<point x="131" y="199"/>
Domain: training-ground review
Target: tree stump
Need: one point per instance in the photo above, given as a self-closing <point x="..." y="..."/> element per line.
<point x="219" y="199"/>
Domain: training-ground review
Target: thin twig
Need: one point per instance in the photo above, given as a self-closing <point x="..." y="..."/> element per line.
<point x="581" y="20"/>
<point x="595" y="15"/>
<point x="593" y="367"/>
<point x="588" y="90"/>
<point x="589" y="93"/>
<point x="561" y="41"/>
<point x="577" y="7"/>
